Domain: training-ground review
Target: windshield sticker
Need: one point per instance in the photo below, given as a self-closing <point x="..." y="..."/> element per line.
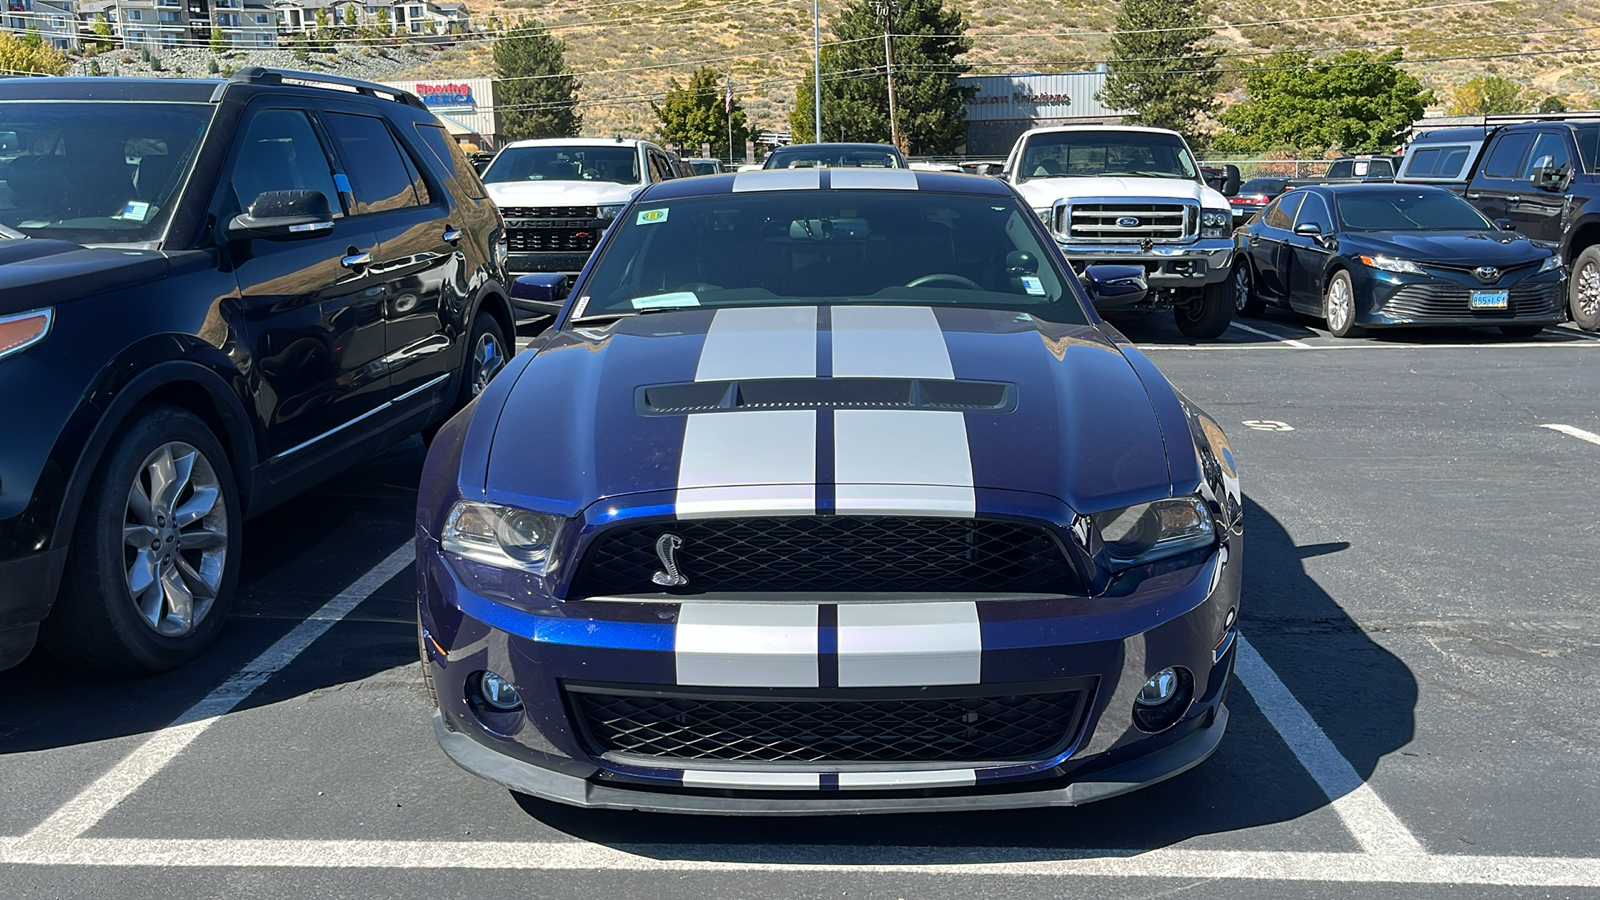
<point x="1033" y="285"/>
<point x="666" y="301"/>
<point x="135" y="211"/>
<point x="651" y="217"/>
<point x="582" y="304"/>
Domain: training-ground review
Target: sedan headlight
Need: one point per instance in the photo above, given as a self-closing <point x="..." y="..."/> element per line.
<point x="1216" y="223"/>
<point x="1393" y="264"/>
<point x="609" y="211"/>
<point x="501" y="536"/>
<point x="1148" y="531"/>
<point x="1550" y="264"/>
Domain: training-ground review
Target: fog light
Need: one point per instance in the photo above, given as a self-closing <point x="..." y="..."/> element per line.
<point x="497" y="693"/>
<point x="1164" y="699"/>
<point x="1159" y="689"/>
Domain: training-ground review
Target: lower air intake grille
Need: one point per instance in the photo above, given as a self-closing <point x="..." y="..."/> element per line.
<point x="832" y="553"/>
<point x="1020" y="727"/>
<point x="1421" y="301"/>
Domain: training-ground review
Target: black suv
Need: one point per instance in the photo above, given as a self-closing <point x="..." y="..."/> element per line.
<point x="213" y="294"/>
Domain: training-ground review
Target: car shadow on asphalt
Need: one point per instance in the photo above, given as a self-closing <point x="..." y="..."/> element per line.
<point x="1362" y="695"/>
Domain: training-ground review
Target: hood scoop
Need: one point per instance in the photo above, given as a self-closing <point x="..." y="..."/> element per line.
<point x="824" y="393"/>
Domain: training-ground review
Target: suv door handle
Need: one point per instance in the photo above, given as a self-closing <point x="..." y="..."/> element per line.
<point x="1473" y="195"/>
<point x="357" y="260"/>
<point x="1514" y="198"/>
<point x="451" y="235"/>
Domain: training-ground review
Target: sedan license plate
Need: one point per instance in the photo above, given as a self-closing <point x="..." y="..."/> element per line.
<point x="1491" y="299"/>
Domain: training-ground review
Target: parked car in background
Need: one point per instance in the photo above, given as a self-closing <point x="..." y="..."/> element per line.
<point x="1254" y="195"/>
<point x="1443" y="157"/>
<point x="213" y="295"/>
<point x="821" y="156"/>
<point x="704" y="165"/>
<point x="558" y="195"/>
<point x="1384" y="256"/>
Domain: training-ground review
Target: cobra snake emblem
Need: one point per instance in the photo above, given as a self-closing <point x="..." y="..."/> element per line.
<point x="666" y="546"/>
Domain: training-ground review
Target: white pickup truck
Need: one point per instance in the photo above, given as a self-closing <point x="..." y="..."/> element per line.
<point x="1135" y="196"/>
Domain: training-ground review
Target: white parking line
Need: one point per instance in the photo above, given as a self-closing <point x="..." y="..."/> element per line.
<point x="81" y="812"/>
<point x="1578" y="433"/>
<point x="1287" y="341"/>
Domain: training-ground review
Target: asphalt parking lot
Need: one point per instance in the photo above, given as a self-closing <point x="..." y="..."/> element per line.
<point x="1414" y="712"/>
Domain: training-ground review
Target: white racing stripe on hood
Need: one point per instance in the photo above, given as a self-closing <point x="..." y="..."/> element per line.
<point x="926" y="778"/>
<point x="909" y="644"/>
<point x="872" y="179"/>
<point x="902" y="462"/>
<point x="889" y="342"/>
<point x="754" y="462"/>
<point x="760" y="342"/>
<point x="747" y="645"/>
<point x="778" y="180"/>
<point x="759" y="780"/>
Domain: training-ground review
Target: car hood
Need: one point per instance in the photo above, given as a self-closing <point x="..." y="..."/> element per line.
<point x="1477" y="248"/>
<point x="35" y="272"/>
<point x="560" y="193"/>
<point x="576" y="427"/>
<point x="1041" y="192"/>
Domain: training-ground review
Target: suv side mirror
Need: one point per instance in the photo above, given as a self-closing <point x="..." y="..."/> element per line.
<point x="541" y="287"/>
<point x="1550" y="177"/>
<point x="1115" y="285"/>
<point x="1230" y="181"/>
<point x="283" y="216"/>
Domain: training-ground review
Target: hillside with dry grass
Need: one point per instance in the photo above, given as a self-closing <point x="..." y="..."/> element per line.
<point x="626" y="51"/>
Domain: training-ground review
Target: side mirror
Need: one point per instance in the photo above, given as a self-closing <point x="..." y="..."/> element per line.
<point x="1112" y="286"/>
<point x="1309" y="229"/>
<point x="1505" y="224"/>
<point x="1550" y="177"/>
<point x="540" y="287"/>
<point x="283" y="216"/>
<point x="1230" y="181"/>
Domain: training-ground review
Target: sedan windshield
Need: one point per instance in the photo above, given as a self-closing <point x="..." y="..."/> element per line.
<point x="92" y="172"/>
<point x="607" y="162"/>
<point x="1089" y="153"/>
<point x="1426" y="209"/>
<point x="878" y="246"/>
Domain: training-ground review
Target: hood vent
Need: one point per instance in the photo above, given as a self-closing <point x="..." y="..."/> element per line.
<point x="824" y="393"/>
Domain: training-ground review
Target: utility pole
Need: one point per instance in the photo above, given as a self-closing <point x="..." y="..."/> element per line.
<point x="888" y="67"/>
<point x="816" y="70"/>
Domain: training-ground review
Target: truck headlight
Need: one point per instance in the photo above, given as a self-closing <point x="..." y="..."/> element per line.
<point x="1393" y="264"/>
<point x="1149" y="531"/>
<point x="1216" y="224"/>
<point x="501" y="536"/>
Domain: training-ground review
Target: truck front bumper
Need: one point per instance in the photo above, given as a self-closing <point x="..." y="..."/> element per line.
<point x="1192" y="265"/>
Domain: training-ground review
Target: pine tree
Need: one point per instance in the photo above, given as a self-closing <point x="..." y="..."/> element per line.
<point x="219" y="41"/>
<point x="1161" y="69"/>
<point x="350" y="16"/>
<point x="699" y="113"/>
<point x="537" y="96"/>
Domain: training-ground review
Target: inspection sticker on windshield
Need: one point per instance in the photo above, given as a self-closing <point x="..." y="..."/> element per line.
<point x="651" y="216"/>
<point x="667" y="301"/>
<point x="135" y="211"/>
<point x="1033" y="285"/>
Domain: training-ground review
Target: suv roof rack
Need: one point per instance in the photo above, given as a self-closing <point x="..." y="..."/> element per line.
<point x="1513" y="119"/>
<point x="264" y="75"/>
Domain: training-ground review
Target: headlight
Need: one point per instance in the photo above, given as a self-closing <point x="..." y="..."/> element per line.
<point x="1149" y="531"/>
<point x="500" y="535"/>
<point x="19" y="332"/>
<point x="1391" y="264"/>
<point x="610" y="211"/>
<point x="1551" y="263"/>
<point x="1215" y="224"/>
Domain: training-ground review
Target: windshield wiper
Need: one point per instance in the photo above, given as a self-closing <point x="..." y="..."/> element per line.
<point x="598" y="318"/>
<point x="8" y="232"/>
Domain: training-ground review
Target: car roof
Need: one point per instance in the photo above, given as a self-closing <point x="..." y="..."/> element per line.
<point x="1059" y="129"/>
<point x="1372" y="187"/>
<point x="826" y="146"/>
<point x="1450" y="135"/>
<point x="579" y="142"/>
<point x="191" y="90"/>
<point x="775" y="180"/>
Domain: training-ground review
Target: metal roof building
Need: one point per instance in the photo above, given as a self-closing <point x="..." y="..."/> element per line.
<point x="1005" y="106"/>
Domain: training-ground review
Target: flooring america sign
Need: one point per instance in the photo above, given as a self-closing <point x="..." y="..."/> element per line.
<point x="445" y="94"/>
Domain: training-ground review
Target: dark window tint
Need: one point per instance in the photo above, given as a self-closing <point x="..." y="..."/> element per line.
<point x="1443" y="161"/>
<point x="1341" y="169"/>
<point x="1550" y="150"/>
<point x="1421" y="209"/>
<point x="1314" y="211"/>
<point x="380" y="177"/>
<point x="281" y="152"/>
<point x="1505" y="161"/>
<point x="453" y="159"/>
<point x="1588" y="138"/>
<point x="1268" y="186"/>
<point x="1282" y="210"/>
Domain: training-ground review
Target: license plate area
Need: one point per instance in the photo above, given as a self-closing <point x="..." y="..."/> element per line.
<point x="1491" y="300"/>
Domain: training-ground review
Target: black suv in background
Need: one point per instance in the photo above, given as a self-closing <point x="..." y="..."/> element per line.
<point x="213" y="295"/>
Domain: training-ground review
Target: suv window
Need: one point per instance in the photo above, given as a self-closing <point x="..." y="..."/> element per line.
<point x="1549" y="150"/>
<point x="660" y="166"/>
<point x="1315" y="211"/>
<point x="1443" y="161"/>
<point x="281" y="152"/>
<point x="381" y="179"/>
<point x="1282" y="210"/>
<point x="1505" y="161"/>
<point x="1588" y="138"/>
<point x="454" y="160"/>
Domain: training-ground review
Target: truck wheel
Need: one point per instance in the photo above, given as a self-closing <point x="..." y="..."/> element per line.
<point x="155" y="552"/>
<point x="1339" y="306"/>
<point x="1206" y="313"/>
<point x="1245" y="300"/>
<point x="1583" y="289"/>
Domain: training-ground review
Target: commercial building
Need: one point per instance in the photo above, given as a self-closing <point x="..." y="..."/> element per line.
<point x="464" y="105"/>
<point x="1004" y="106"/>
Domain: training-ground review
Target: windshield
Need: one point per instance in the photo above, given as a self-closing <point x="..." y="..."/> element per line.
<point x="614" y="163"/>
<point x="877" y="246"/>
<point x="1146" y="154"/>
<point x="1262" y="186"/>
<point x="95" y="173"/>
<point x="815" y="158"/>
<point x="1415" y="210"/>
<point x="705" y="168"/>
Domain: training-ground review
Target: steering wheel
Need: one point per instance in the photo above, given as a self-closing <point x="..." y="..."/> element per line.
<point x="960" y="281"/>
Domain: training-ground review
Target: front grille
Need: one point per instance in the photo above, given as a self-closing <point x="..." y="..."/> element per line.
<point x="1421" y="301"/>
<point x="1017" y="727"/>
<point x="832" y="553"/>
<point x="528" y="240"/>
<point x="1159" y="222"/>
<point x="549" y="212"/>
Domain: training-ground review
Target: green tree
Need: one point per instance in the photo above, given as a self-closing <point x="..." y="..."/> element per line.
<point x="698" y="113"/>
<point x="322" y="19"/>
<point x="536" y="94"/>
<point x="383" y="20"/>
<point x="1555" y="103"/>
<point x="219" y="41"/>
<point x="1161" y="66"/>
<point x="32" y="38"/>
<point x="1488" y="95"/>
<point x="855" y="94"/>
<point x="102" y="33"/>
<point x="1354" y="101"/>
<point x="350" y="16"/>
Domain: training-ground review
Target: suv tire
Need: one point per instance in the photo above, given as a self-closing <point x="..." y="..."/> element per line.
<point x="487" y="353"/>
<point x="166" y="480"/>
<point x="1583" y="289"/>
<point x="1208" y="314"/>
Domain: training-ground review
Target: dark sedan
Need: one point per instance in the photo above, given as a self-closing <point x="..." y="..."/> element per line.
<point x="826" y="156"/>
<point x="1375" y="256"/>
<point x="1254" y="195"/>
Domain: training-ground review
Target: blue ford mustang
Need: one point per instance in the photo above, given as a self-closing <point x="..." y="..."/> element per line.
<point x="828" y="493"/>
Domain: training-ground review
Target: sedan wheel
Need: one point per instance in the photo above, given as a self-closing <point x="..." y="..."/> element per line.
<point x="1245" y="300"/>
<point x="1585" y="290"/>
<point x="1339" y="306"/>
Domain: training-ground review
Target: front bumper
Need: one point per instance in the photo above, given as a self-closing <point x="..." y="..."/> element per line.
<point x="1192" y="265"/>
<point x="1399" y="300"/>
